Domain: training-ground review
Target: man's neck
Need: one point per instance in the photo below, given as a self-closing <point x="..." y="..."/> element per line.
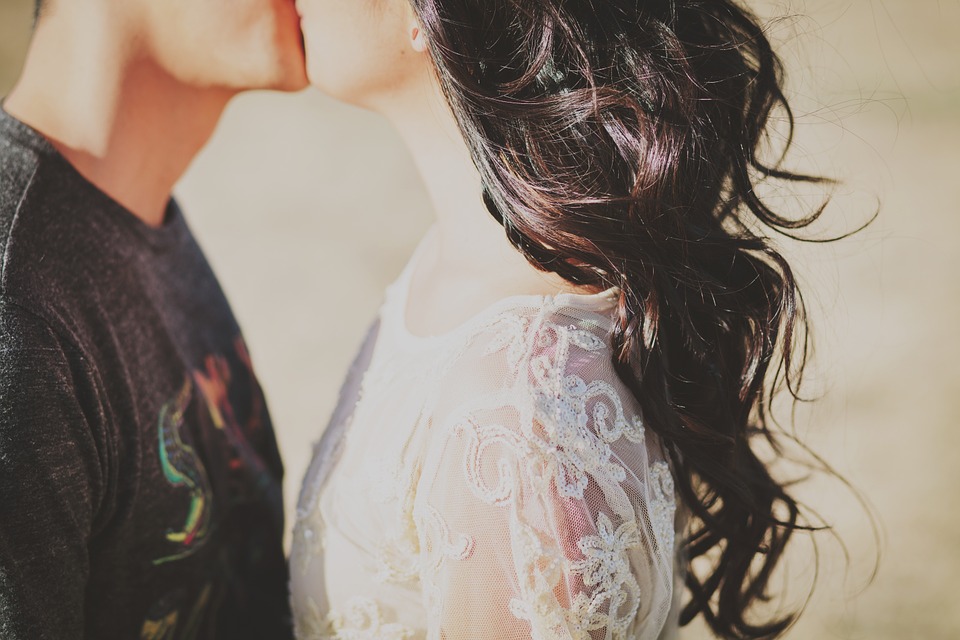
<point x="127" y="126"/>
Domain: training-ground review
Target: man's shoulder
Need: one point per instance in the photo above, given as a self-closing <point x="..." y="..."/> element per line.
<point x="19" y="165"/>
<point x="26" y="328"/>
<point x="43" y="226"/>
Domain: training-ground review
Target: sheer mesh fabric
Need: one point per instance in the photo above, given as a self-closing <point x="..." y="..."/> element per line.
<point x="493" y="482"/>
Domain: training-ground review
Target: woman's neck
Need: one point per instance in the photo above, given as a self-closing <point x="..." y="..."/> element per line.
<point x="466" y="231"/>
<point x="471" y="248"/>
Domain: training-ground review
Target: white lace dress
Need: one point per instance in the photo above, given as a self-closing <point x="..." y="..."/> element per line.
<point x="493" y="482"/>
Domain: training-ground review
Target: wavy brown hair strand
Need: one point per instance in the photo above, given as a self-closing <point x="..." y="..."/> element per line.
<point x="620" y="143"/>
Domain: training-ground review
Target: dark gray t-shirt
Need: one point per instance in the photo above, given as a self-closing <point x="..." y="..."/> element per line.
<point x="140" y="483"/>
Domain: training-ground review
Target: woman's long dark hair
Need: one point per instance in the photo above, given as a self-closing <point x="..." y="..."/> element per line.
<point x="619" y="143"/>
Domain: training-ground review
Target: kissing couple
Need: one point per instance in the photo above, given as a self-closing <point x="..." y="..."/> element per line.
<point x="553" y="415"/>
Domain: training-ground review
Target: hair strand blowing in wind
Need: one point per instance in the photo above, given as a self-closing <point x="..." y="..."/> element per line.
<point x="619" y="144"/>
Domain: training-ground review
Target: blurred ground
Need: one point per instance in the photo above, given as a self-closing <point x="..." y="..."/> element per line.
<point x="308" y="209"/>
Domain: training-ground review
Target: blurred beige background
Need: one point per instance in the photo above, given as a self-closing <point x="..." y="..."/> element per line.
<point x="307" y="209"/>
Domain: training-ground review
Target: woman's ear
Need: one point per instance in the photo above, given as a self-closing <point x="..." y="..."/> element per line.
<point x="418" y="40"/>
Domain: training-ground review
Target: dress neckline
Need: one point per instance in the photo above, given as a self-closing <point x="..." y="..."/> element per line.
<point x="399" y="294"/>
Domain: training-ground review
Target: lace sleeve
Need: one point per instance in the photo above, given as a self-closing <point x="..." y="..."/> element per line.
<point x="544" y="508"/>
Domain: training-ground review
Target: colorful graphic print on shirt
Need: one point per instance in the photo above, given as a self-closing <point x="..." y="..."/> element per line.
<point x="183" y="468"/>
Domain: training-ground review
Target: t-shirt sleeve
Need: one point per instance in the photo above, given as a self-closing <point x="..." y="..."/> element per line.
<point x="51" y="479"/>
<point x="545" y="510"/>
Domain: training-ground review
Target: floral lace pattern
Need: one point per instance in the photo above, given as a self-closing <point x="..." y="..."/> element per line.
<point x="361" y="619"/>
<point x="568" y="433"/>
<point x="662" y="505"/>
<point x="574" y="439"/>
<point x="606" y="567"/>
<point x="539" y="477"/>
<point x="398" y="554"/>
<point x="539" y="569"/>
